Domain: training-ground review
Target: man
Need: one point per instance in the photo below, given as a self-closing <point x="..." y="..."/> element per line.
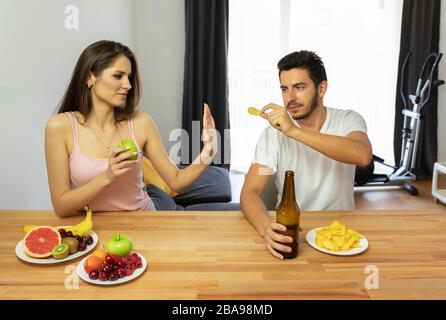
<point x="321" y="145"/>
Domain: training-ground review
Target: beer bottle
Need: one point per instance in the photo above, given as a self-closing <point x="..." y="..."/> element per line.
<point x="288" y="214"/>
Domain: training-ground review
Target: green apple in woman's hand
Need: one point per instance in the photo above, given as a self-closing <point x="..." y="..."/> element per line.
<point x="132" y="148"/>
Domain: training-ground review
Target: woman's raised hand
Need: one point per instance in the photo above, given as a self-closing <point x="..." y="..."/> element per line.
<point x="209" y="136"/>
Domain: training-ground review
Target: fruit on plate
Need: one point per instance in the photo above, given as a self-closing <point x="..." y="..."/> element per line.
<point x="337" y="237"/>
<point x="119" y="244"/>
<point x="104" y="270"/>
<point x="101" y="253"/>
<point x="132" y="148"/>
<point x="110" y="260"/>
<point x="73" y="243"/>
<point x="94" y="275"/>
<point x="40" y="241"/>
<point x="82" y="229"/>
<point x="61" y="251"/>
<point x="92" y="263"/>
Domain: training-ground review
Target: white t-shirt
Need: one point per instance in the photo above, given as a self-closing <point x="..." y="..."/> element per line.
<point x="320" y="183"/>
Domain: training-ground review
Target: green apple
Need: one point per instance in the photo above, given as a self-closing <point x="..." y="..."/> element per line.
<point x="119" y="244"/>
<point x="131" y="144"/>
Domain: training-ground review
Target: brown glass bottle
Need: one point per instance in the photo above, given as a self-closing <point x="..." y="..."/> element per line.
<point x="288" y="214"/>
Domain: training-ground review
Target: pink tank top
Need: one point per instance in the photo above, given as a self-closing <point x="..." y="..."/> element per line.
<point x="125" y="194"/>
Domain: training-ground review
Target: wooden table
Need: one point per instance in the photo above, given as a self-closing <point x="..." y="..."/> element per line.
<point x="218" y="255"/>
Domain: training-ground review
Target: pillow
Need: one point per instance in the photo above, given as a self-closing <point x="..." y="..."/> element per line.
<point x="152" y="177"/>
<point x="160" y="199"/>
<point x="212" y="186"/>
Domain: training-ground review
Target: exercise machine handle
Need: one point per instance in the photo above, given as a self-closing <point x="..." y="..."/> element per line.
<point x="403" y="73"/>
<point x="428" y="85"/>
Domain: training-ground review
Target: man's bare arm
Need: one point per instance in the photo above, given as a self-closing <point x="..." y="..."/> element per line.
<point x="355" y="148"/>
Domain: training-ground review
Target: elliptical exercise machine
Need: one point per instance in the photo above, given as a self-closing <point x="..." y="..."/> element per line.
<point x="404" y="172"/>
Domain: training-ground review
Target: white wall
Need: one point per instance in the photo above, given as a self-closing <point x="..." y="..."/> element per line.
<point x="442" y="89"/>
<point x="37" y="57"/>
<point x="160" y="47"/>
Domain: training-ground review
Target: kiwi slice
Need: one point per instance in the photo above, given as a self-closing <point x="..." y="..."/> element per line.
<point x="61" y="251"/>
<point x="72" y="243"/>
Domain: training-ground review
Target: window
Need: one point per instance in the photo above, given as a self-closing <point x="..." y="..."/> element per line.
<point x="357" y="40"/>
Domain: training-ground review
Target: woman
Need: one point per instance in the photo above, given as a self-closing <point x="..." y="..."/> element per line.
<point x="97" y="112"/>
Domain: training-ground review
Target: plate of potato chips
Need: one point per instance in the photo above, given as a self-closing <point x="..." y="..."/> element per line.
<point x="337" y="239"/>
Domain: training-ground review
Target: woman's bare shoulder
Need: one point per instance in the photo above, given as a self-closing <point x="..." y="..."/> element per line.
<point x="141" y="115"/>
<point x="143" y="119"/>
<point x="58" y="123"/>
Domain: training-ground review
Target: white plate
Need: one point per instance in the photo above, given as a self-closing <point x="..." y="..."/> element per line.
<point x="20" y="252"/>
<point x="84" y="275"/>
<point x="311" y="239"/>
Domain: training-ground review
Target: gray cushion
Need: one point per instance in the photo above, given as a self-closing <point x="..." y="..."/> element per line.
<point x="161" y="200"/>
<point x="212" y="186"/>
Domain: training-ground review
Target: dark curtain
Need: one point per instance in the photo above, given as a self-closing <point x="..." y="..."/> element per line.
<point x="420" y="34"/>
<point x="205" y="75"/>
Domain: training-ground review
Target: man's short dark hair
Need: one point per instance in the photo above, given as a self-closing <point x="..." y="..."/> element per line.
<point x="307" y="60"/>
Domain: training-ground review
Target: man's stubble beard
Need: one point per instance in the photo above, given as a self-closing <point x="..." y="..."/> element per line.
<point x="312" y="108"/>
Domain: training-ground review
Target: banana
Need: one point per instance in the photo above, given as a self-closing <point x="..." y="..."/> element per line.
<point x="82" y="229"/>
<point x="29" y="227"/>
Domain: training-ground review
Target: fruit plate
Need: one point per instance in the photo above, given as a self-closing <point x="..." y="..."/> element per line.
<point x="311" y="239"/>
<point x="21" y="254"/>
<point x="84" y="275"/>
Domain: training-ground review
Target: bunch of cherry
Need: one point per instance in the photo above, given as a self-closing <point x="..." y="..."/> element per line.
<point x="115" y="267"/>
<point x="84" y="242"/>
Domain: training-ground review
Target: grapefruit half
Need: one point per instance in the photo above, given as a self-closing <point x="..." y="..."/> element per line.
<point x="40" y="241"/>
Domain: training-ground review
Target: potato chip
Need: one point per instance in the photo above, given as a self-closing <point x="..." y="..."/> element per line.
<point x="254" y="111"/>
<point x="337" y="237"/>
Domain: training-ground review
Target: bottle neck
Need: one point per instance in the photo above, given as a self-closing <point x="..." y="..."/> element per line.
<point x="288" y="193"/>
